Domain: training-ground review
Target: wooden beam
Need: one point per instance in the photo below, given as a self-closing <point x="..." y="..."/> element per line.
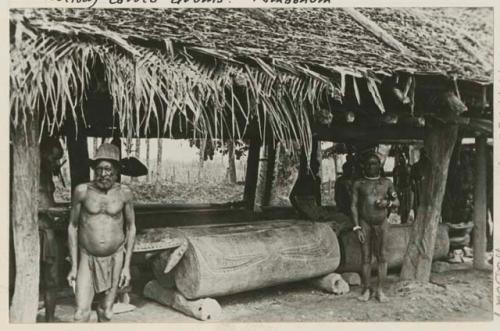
<point x="480" y="211"/>
<point x="377" y="31"/>
<point x="356" y="133"/>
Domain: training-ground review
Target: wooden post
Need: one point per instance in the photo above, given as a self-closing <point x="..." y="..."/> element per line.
<point x="273" y="178"/>
<point x="148" y="165"/>
<point x="315" y="164"/>
<point x="251" y="173"/>
<point x="96" y="145"/>
<point x="117" y="141"/>
<point x="261" y="179"/>
<point x="231" y="162"/>
<point x="137" y="154"/>
<point x="480" y="212"/>
<point x="270" y="174"/>
<point x="158" y="164"/>
<point x="78" y="155"/>
<point x="24" y="217"/>
<point x="439" y="143"/>
<point x="201" y="161"/>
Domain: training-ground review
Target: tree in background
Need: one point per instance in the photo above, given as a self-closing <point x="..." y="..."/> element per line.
<point x="234" y="149"/>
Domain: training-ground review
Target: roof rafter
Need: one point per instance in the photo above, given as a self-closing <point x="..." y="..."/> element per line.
<point x="377" y="31"/>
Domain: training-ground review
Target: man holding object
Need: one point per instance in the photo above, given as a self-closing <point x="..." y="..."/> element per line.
<point x="372" y="196"/>
<point x="99" y="211"/>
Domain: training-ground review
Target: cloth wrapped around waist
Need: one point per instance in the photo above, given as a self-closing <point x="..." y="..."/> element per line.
<point x="101" y="268"/>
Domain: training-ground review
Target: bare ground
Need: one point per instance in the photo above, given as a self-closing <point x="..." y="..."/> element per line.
<point x="459" y="295"/>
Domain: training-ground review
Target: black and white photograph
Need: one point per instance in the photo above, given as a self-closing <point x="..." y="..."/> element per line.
<point x="229" y="164"/>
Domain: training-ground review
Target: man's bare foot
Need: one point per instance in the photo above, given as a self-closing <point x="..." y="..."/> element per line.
<point x="381" y="297"/>
<point x="101" y="315"/>
<point x="365" y="296"/>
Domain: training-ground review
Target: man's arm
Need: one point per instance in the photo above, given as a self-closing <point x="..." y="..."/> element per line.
<point x="393" y="195"/>
<point x="354" y="204"/>
<point x="354" y="212"/>
<point x="129" y="216"/>
<point x="74" y="216"/>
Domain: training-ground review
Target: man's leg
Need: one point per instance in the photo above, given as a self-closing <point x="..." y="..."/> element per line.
<point x="52" y="284"/>
<point x="366" y="258"/>
<point x="49" y="290"/>
<point x="84" y="290"/>
<point x="379" y="237"/>
<point x="105" y="309"/>
<point x="49" y="298"/>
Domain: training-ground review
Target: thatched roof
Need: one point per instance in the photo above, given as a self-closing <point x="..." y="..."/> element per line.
<point x="291" y="62"/>
<point x="440" y="39"/>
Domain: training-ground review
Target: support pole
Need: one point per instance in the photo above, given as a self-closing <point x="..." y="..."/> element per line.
<point x="24" y="218"/>
<point x="78" y="154"/>
<point x="271" y="174"/>
<point x="252" y="173"/>
<point x="262" y="174"/>
<point x="480" y="205"/>
<point x="439" y="144"/>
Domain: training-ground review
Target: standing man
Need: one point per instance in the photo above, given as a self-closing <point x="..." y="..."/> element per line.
<point x="417" y="175"/>
<point x="372" y="196"/>
<point x="402" y="182"/>
<point x="51" y="244"/>
<point x="100" y="211"/>
<point x="343" y="189"/>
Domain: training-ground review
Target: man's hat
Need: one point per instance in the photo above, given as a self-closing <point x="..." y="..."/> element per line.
<point x="129" y="166"/>
<point x="108" y="152"/>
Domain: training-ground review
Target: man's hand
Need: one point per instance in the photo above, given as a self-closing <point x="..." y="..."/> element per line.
<point x="124" y="278"/>
<point x="383" y="203"/>
<point x="361" y="235"/>
<point x="72" y="278"/>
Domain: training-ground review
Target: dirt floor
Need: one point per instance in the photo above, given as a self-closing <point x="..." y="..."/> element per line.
<point x="458" y="295"/>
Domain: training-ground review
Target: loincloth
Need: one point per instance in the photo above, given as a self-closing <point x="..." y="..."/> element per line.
<point x="101" y="268"/>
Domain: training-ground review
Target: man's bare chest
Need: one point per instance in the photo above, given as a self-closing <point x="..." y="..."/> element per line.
<point x="372" y="188"/>
<point x="110" y="204"/>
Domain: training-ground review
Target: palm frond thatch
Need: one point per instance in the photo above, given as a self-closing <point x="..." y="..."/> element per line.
<point x="154" y="74"/>
<point x="55" y="73"/>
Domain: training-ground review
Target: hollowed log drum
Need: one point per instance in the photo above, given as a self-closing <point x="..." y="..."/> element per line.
<point x="395" y="247"/>
<point x="228" y="259"/>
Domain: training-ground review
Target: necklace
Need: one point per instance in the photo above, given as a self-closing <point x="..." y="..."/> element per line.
<point x="372" y="178"/>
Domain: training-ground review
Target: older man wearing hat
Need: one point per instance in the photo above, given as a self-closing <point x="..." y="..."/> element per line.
<point x="100" y="248"/>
